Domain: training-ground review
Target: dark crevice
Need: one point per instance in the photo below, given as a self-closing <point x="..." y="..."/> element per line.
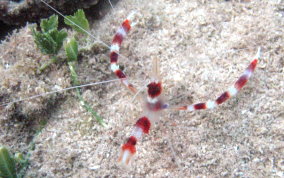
<point x="5" y="29"/>
<point x="41" y="11"/>
<point x="101" y="9"/>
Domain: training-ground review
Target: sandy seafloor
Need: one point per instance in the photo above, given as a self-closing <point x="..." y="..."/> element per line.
<point x="203" y="48"/>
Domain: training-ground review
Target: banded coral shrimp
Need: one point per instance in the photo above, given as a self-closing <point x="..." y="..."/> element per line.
<point x="200" y="140"/>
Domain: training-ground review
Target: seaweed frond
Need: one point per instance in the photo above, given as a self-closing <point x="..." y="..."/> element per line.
<point x="78" y="22"/>
<point x="49" y="40"/>
<point x="71" y="49"/>
<point x="7" y="164"/>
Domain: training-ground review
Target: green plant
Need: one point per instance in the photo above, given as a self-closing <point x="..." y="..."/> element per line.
<point x="49" y="40"/>
<point x="7" y="164"/>
<point x="71" y="49"/>
<point x="12" y="166"/>
<point x="78" y="19"/>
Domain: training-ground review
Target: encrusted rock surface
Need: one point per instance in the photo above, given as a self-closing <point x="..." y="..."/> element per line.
<point x="203" y="48"/>
<point x="19" y="12"/>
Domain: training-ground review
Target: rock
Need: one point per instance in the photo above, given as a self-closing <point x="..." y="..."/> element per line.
<point x="18" y="12"/>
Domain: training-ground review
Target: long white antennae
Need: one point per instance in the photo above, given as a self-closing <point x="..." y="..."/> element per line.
<point x="91" y="35"/>
<point x="110" y="4"/>
<point x="56" y="91"/>
<point x="74" y="23"/>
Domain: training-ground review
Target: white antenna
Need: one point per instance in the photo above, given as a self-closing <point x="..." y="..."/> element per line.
<point x="73" y="87"/>
<point x="110" y="4"/>
<point x="91" y="35"/>
<point x="56" y="91"/>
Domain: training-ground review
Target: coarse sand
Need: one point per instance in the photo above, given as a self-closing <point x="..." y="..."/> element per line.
<point x="203" y="46"/>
